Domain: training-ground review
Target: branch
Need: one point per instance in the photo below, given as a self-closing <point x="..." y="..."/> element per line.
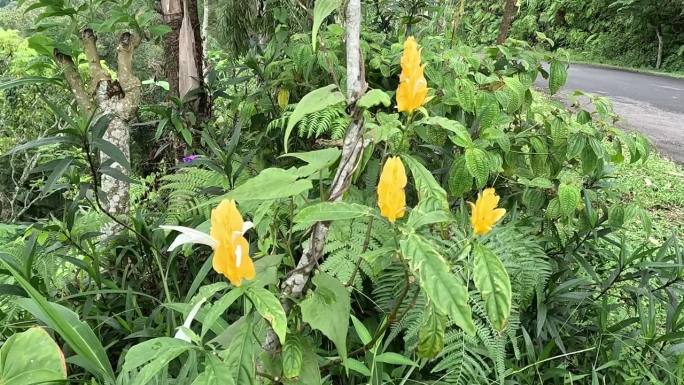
<point x="97" y="73"/>
<point x="352" y="149"/>
<point x="74" y="80"/>
<point x="130" y="83"/>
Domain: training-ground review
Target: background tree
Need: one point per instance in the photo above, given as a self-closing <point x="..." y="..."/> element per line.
<point x="510" y="10"/>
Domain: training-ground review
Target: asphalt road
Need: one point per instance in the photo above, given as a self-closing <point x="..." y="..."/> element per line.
<point x="651" y="104"/>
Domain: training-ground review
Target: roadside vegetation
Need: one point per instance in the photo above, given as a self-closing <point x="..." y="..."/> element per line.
<point x="321" y="192"/>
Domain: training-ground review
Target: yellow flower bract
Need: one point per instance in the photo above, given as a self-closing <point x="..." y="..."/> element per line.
<point x="485" y="214"/>
<point x="231" y="255"/>
<point x="412" y="91"/>
<point x="391" y="195"/>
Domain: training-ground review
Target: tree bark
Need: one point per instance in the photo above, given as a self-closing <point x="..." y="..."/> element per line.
<point x="659" y="57"/>
<point x="510" y="10"/>
<point x="172" y="13"/>
<point x="295" y="284"/>
<point x="205" y="39"/>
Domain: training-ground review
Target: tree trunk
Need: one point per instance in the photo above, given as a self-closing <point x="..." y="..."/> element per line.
<point x="510" y="10"/>
<point x="119" y="99"/>
<point x="659" y="58"/>
<point x="172" y="13"/>
<point x="205" y="39"/>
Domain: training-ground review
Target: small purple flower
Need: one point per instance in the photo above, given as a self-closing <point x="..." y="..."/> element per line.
<point x="190" y="158"/>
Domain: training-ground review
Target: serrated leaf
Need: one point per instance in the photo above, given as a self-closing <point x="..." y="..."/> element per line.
<point x="558" y="75"/>
<point x="569" y="198"/>
<point x="460" y="180"/>
<point x="477" y="163"/>
<point x="494" y="285"/>
<point x="268" y="305"/>
<point x="442" y="287"/>
<point x="314" y="101"/>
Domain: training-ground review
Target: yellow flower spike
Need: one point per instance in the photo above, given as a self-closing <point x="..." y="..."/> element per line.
<point x="391" y="195"/>
<point x="412" y="91"/>
<point x="484" y="212"/>
<point x="226" y="237"/>
<point x="231" y="255"/>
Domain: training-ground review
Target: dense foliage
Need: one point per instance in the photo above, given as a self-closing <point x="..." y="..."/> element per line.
<point x="625" y="32"/>
<point x="391" y="278"/>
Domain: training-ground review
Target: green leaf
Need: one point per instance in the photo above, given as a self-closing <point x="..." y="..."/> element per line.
<point x="394" y="359"/>
<point x="292" y="357"/>
<point x="310" y="373"/>
<point x="477" y="163"/>
<point x="327" y="309"/>
<point x="31" y="357"/>
<point x="361" y="331"/>
<point x="494" y="285"/>
<point x="460" y="180"/>
<point x="426" y="184"/>
<point x="75" y="332"/>
<point x="153" y="356"/>
<point x="240" y="353"/>
<point x="461" y="136"/>
<point x="322" y="9"/>
<point x="113" y="152"/>
<point x="358" y="367"/>
<point x="374" y="98"/>
<point x="267" y="304"/>
<point x="331" y="211"/>
<point x="218" y="308"/>
<point x="569" y="198"/>
<point x="271" y="183"/>
<point x="316" y="160"/>
<point x="215" y="372"/>
<point x="431" y="333"/>
<point x="515" y="91"/>
<point x="314" y="101"/>
<point x="43" y="142"/>
<point x="442" y="287"/>
<point x="558" y="75"/>
<point x="57" y="172"/>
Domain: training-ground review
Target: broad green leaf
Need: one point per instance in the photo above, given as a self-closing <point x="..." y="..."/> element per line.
<point x="314" y="101"/>
<point x="487" y="110"/>
<point x="327" y="309"/>
<point x="569" y="198"/>
<point x="331" y="211"/>
<point x="240" y="354"/>
<point x="431" y="333"/>
<point x="558" y="75"/>
<point x="218" y="308"/>
<point x="374" y="98"/>
<point x="310" y="373"/>
<point x="460" y="180"/>
<point x="477" y="163"/>
<point x="515" y="91"/>
<point x="268" y="305"/>
<point x="322" y="9"/>
<point x="271" y="183"/>
<point x="66" y="323"/>
<point x="461" y="136"/>
<point x="492" y="280"/>
<point x="316" y="160"/>
<point x="394" y="359"/>
<point x="442" y="287"/>
<point x="292" y="357"/>
<point x="145" y="360"/>
<point x="426" y="184"/>
<point x="31" y="357"/>
<point x="215" y="372"/>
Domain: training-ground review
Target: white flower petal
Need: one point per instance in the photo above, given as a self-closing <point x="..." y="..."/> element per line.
<point x="238" y="256"/>
<point x="246" y="226"/>
<point x="180" y="334"/>
<point x="188" y="235"/>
